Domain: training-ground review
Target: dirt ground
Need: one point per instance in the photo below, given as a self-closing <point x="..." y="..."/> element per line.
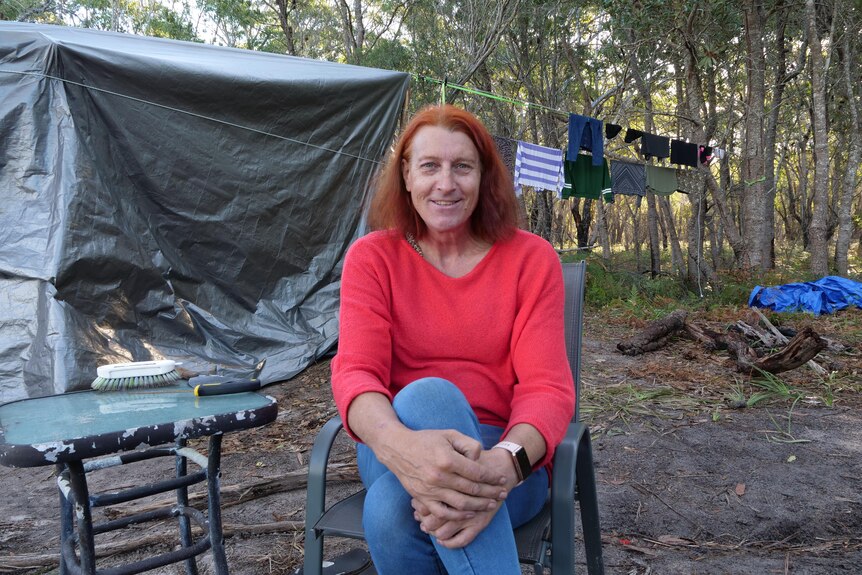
<point x="698" y="472"/>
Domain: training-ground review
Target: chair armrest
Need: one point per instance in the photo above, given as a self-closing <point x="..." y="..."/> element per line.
<point x="316" y="488"/>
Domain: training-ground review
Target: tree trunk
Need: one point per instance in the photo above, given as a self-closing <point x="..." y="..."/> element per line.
<point x="602" y="225"/>
<point x="283" y="9"/>
<point x="652" y="225"/>
<point x="635" y="214"/>
<point x="694" y="96"/>
<point x="584" y="224"/>
<point x="352" y="30"/>
<point x="652" y="228"/>
<point x="803" y="348"/>
<point x="818" y="228"/>
<point x="849" y="182"/>
<point x="675" y="250"/>
<point x="753" y="169"/>
<point x="782" y="77"/>
<point x="804" y="200"/>
<point x="694" y="234"/>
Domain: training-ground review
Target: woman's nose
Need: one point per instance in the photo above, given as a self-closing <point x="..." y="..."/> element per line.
<point x="446" y="179"/>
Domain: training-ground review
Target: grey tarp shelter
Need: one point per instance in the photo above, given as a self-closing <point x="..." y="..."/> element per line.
<point x="166" y="199"/>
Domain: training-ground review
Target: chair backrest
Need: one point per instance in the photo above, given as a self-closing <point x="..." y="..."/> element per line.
<point x="574" y="277"/>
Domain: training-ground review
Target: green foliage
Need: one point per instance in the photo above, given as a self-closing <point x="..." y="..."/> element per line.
<point x="27" y="10"/>
<point x="630" y="292"/>
<point x="389" y="55"/>
<point x="613" y="284"/>
<point x="165" y="23"/>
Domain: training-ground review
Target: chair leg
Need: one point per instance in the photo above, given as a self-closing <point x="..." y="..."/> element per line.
<point x="66" y="522"/>
<point x="313" y="560"/>
<point x="588" y="499"/>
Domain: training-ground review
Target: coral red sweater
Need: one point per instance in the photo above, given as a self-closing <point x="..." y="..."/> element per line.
<point x="496" y="333"/>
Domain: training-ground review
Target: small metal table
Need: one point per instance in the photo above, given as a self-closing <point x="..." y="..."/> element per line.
<point x="65" y="430"/>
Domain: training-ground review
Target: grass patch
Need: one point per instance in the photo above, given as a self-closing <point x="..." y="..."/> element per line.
<point x="625" y="400"/>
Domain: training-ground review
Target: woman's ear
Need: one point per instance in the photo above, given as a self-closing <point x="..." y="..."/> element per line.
<point x="405" y="173"/>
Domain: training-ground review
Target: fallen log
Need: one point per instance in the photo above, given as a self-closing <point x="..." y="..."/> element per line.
<point x="805" y="345"/>
<point x="800" y="350"/>
<point x="14" y="563"/>
<point x="708" y="338"/>
<point x="738" y="348"/>
<point x="817" y="368"/>
<point x="656" y="335"/>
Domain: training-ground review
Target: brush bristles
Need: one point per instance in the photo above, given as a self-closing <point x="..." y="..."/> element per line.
<point x="137" y="382"/>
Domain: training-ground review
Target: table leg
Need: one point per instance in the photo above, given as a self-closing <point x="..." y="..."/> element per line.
<point x="66" y="524"/>
<point x="184" y="522"/>
<point x="86" y="544"/>
<point x="214" y="499"/>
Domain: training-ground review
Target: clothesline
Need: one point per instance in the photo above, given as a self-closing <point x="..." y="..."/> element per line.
<point x="632" y="178"/>
<point x="444" y="84"/>
<point x="650" y="142"/>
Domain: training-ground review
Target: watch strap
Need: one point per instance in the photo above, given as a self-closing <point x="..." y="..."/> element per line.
<point x="519" y="456"/>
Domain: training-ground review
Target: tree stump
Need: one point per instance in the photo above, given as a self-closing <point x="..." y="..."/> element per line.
<point x="804" y="346"/>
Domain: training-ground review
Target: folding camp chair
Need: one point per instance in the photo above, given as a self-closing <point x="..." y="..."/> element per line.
<point x="548" y="540"/>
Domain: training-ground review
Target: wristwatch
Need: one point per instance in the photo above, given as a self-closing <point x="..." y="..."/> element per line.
<point x="519" y="456"/>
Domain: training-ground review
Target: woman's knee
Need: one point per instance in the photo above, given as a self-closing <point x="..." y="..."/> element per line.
<point x="434" y="403"/>
<point x="429" y="391"/>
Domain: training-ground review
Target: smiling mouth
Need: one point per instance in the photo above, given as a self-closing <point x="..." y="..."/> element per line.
<point x="445" y="203"/>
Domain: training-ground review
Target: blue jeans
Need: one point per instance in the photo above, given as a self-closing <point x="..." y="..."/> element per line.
<point x="396" y="542"/>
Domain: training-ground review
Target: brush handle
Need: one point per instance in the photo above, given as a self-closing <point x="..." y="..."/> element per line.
<point x="224" y="388"/>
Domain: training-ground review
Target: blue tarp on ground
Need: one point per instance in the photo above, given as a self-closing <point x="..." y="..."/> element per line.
<point x="826" y="295"/>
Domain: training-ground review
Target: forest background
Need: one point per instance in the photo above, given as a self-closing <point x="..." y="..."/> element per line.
<point x="775" y="83"/>
<point x="691" y="477"/>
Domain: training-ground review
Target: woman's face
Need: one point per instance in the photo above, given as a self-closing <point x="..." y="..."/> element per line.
<point x="443" y="176"/>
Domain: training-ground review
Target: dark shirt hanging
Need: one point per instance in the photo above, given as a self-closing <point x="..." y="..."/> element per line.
<point x="632" y="135"/>
<point x="611" y="131"/>
<point x="653" y="146"/>
<point x="683" y="153"/>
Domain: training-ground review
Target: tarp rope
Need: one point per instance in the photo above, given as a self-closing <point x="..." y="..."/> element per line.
<point x="445" y="84"/>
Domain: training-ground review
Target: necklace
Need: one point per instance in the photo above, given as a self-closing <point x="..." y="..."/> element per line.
<point x="414" y="244"/>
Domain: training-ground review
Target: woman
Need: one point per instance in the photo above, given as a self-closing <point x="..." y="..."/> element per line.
<point x="451" y="370"/>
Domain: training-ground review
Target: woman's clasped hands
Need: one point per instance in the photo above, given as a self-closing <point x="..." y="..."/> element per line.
<point x="455" y="484"/>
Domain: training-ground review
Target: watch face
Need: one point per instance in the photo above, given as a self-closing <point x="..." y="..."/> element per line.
<point x="523" y="462"/>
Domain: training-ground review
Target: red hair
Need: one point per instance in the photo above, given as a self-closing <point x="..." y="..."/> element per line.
<point x="496" y="214"/>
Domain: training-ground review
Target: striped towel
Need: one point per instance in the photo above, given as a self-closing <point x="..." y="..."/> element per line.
<point x="539" y="167"/>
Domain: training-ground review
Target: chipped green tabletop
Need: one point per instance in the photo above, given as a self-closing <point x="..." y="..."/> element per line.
<point x="80" y="425"/>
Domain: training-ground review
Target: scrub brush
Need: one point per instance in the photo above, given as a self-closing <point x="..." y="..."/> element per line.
<point x="136" y="375"/>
